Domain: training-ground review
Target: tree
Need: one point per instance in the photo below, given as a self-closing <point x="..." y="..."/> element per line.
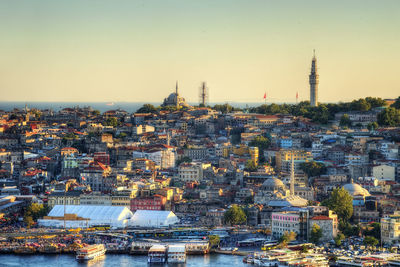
<point x="34" y="212"/>
<point x="389" y="117"/>
<point x="375" y="102"/>
<point x="372" y="126"/>
<point x="183" y="159"/>
<point x="250" y="166"/>
<point x="261" y="142"/>
<point x="360" y="105"/>
<point x="28" y="220"/>
<point x="316" y="233"/>
<point x="370" y="241"/>
<point x="122" y="135"/>
<point x="341" y="202"/>
<point x="313" y="168"/>
<point x="345" y="120"/>
<point x="225" y="108"/>
<point x="338" y="239"/>
<point x="147" y="108"/>
<point x="396" y="104"/>
<point x="374" y="229"/>
<point x="286" y="238"/>
<point x="112" y="122"/>
<point x="235" y="215"/>
<point x="214" y="241"/>
<point x="348" y="229"/>
<point x="96" y="112"/>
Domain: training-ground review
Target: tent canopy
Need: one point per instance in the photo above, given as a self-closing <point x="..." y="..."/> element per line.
<point x="153" y="218"/>
<point x="96" y="215"/>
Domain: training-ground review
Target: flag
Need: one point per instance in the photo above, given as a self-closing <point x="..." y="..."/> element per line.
<point x="265" y="95"/>
<point x="297" y="94"/>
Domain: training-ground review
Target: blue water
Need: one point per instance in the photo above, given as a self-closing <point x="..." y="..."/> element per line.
<point x="116" y="260"/>
<point x="101" y="106"/>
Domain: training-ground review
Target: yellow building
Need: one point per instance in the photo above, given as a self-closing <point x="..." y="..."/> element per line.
<point x="253" y="151"/>
<point x="284" y="158"/>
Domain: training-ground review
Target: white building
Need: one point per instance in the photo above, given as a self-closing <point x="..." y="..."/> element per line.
<point x="189" y="172"/>
<point x="163" y="156"/>
<point x="384" y="172"/>
<point x="140" y="129"/>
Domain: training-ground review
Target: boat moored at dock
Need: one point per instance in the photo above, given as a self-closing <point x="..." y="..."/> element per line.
<point x="157" y="254"/>
<point x="176" y="253"/>
<point x="90" y="252"/>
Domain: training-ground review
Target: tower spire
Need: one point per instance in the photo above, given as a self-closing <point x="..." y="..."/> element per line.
<point x="177" y="95"/>
<point x="314" y="80"/>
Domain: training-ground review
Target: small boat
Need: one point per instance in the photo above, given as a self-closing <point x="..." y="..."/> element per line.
<point x="90" y="252"/>
<point x="176" y="253"/>
<point x="157" y="254"/>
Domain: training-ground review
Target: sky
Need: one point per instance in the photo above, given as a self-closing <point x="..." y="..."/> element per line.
<point x="135" y="50"/>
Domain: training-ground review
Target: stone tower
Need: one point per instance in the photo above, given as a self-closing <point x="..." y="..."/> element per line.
<point x="313" y="79"/>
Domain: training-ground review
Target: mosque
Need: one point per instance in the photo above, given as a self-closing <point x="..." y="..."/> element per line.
<point x="356" y="190"/>
<point x="274" y="193"/>
<point x="174" y="99"/>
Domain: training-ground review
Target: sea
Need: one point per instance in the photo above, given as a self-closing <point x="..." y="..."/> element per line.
<point x="101" y="106"/>
<point x="117" y="260"/>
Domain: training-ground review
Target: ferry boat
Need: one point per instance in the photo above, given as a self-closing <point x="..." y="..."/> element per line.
<point x="176" y="253"/>
<point x="394" y="261"/>
<point x="157" y="254"/>
<point x="197" y="248"/>
<point x="90" y="252"/>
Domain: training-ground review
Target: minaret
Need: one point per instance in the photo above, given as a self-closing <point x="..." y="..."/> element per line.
<point x="177" y="95"/>
<point x="313" y="79"/>
<point x="292" y="175"/>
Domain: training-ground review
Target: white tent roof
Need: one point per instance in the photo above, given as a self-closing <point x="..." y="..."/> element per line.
<point x="153" y="218"/>
<point x="93" y="212"/>
<point x="98" y="215"/>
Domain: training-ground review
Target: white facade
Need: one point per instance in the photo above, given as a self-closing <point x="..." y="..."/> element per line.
<point x="282" y="222"/>
<point x="189" y="172"/>
<point x="165" y="158"/>
<point x="384" y="172"/>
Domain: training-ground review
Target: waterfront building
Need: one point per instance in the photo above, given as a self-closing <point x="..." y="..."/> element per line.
<point x="290" y="221"/>
<point x="390" y="228"/>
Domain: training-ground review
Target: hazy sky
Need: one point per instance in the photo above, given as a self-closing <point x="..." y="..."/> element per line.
<point x="130" y="50"/>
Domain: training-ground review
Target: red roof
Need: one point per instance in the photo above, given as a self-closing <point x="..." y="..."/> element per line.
<point x="321" y="218"/>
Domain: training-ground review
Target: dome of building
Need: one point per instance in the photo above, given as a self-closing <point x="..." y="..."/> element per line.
<point x="273" y="184"/>
<point x="172" y="97"/>
<point x="356" y="190"/>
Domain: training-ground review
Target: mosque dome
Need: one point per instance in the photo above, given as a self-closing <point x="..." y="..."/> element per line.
<point x="172" y="97"/>
<point x="273" y="184"/>
<point x="356" y="190"/>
